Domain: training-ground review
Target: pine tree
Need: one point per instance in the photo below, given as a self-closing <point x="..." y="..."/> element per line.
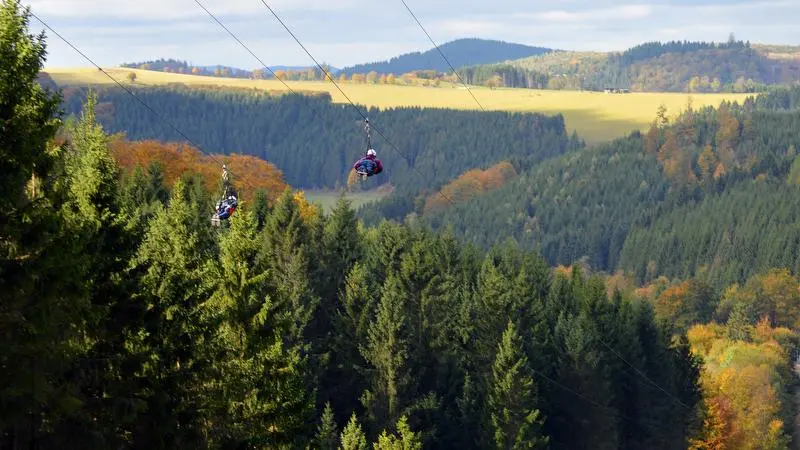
<point x="352" y="436"/>
<point x="513" y="397"/>
<point x="265" y="377"/>
<point x="176" y="285"/>
<point x="94" y="212"/>
<point x="387" y="352"/>
<point x="327" y="435"/>
<point x="405" y="439"/>
<point x="43" y="293"/>
<point x="285" y="254"/>
<point x="342" y="249"/>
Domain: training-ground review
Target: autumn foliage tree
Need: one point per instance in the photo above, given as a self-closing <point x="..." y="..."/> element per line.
<point x="249" y="174"/>
<point x="470" y="184"/>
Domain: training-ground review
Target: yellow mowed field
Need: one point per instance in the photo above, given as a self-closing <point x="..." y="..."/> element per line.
<point x="596" y="116"/>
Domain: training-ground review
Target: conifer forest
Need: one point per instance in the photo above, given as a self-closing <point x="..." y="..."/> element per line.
<point x="640" y="294"/>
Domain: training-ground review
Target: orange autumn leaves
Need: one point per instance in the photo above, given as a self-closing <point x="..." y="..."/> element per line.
<point x="740" y="382"/>
<point x="470" y="184"/>
<point x="249" y="173"/>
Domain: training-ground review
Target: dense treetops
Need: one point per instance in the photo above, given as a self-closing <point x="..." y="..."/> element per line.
<point x="710" y="188"/>
<point x="674" y="66"/>
<point x="286" y="328"/>
<point x="314" y="142"/>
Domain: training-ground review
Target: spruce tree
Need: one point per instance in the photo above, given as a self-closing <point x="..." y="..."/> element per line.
<point x="327" y="437"/>
<point x="512" y="403"/>
<point x="177" y="281"/>
<point x="352" y="437"/>
<point x="43" y="293"/>
<point x="387" y="352"/>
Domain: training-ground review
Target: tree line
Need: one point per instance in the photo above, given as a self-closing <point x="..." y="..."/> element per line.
<point x="650" y="67"/>
<point x="729" y="170"/>
<point x="315" y="142"/>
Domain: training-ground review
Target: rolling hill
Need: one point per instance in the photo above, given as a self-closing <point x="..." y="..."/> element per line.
<point x="460" y="53"/>
<point x="712" y="194"/>
<point x="595" y="116"/>
<point x="733" y="66"/>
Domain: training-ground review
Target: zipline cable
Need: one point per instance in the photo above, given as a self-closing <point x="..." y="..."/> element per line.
<point x="443" y="57"/>
<point x="385" y="138"/>
<point x="130" y="92"/>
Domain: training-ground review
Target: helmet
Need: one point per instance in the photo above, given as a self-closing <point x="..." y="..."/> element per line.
<point x="371" y="152"/>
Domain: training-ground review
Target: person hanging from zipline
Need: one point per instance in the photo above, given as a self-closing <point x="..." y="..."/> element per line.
<point x="369" y="165"/>
<point x="228" y="203"/>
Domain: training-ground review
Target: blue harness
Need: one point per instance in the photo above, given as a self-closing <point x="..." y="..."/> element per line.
<point x="368" y="166"/>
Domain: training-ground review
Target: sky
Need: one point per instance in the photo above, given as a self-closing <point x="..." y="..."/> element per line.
<point x="347" y="32"/>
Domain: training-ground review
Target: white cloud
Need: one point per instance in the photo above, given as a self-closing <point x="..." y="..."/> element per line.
<point x="624" y="12"/>
<point x="346" y="32"/>
<point x="175" y="9"/>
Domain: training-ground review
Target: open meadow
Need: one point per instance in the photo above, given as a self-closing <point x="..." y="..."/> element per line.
<point x="328" y="199"/>
<point x="596" y="116"/>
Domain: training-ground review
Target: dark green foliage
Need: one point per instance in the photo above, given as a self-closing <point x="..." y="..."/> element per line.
<point x="460" y="53"/>
<point x="780" y="98"/>
<point x="622" y="206"/>
<point x="43" y="300"/>
<point x="315" y="142"/>
<point x="510" y="75"/>
<point x="149" y="328"/>
<point x="512" y="399"/>
<point x="327" y="435"/>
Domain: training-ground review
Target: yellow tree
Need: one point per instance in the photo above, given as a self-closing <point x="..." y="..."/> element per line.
<point x="727" y="136"/>
<point x="707" y="162"/>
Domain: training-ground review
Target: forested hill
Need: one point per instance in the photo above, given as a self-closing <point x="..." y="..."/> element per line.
<point x="460" y="53"/>
<point x="314" y="142"/>
<point x="714" y="194"/>
<point x="733" y="66"/>
<point x="129" y="321"/>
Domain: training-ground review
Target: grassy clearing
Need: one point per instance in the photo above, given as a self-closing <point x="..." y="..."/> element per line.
<point x="328" y="199"/>
<point x="596" y="116"/>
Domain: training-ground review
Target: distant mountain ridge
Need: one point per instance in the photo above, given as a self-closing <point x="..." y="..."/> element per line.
<point x="676" y="66"/>
<point x="460" y="53"/>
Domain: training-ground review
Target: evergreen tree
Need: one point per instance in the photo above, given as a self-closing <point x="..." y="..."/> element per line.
<point x="352" y="436"/>
<point x="265" y="376"/>
<point x="327" y="435"/>
<point x="43" y="301"/>
<point x="405" y="439"/>
<point x="513" y="397"/>
<point x="177" y="282"/>
<point x="387" y="352"/>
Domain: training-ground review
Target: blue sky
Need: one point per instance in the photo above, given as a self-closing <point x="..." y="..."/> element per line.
<point x="346" y="32"/>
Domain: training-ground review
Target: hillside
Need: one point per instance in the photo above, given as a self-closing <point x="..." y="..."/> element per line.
<point x="314" y="142"/>
<point x="129" y="321"/>
<point x="734" y="66"/>
<point x="460" y="53"/>
<point x="704" y="195"/>
<point x="596" y="117"/>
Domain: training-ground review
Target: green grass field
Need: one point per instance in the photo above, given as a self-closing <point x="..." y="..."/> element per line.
<point x="328" y="199"/>
<point x="596" y="116"/>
